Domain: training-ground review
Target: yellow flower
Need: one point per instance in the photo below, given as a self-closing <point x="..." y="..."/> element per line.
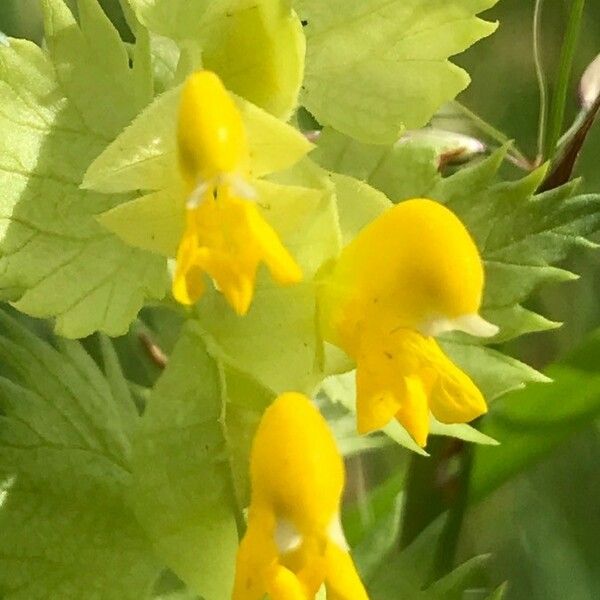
<point x="225" y="237"/>
<point x="294" y="542"/>
<point x="411" y="274"/>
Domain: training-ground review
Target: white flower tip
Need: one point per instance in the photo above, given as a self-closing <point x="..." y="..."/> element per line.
<point x="241" y="187"/>
<point x="476" y="325"/>
<point x="196" y="197"/>
<point x="472" y="324"/>
<point x="287" y="537"/>
<point x="4" y="41"/>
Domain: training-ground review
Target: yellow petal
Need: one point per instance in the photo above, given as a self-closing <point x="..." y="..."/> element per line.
<point x="188" y="281"/>
<point x="308" y="563"/>
<point x="234" y="278"/>
<point x="405" y="375"/>
<point x="295" y="465"/>
<point x="413" y="413"/>
<point x="342" y="580"/>
<point x="227" y="238"/>
<point x="380" y="387"/>
<point x="211" y="138"/>
<point x="454" y="397"/>
<point x="256" y="557"/>
<point x="279" y="261"/>
<point x="284" y="585"/>
<point x="414" y="264"/>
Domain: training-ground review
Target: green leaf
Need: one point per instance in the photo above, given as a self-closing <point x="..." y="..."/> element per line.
<point x="154" y="222"/>
<point x="494" y="373"/>
<point x="277" y="341"/>
<point x="178" y="596"/>
<point x="533" y="422"/>
<point x="180" y="19"/>
<point x="64" y="470"/>
<point x="256" y="47"/>
<point x="376" y="67"/>
<point x="144" y="157"/>
<point x="342" y="423"/>
<point x="455" y="585"/>
<point x="403" y="170"/>
<point x="92" y="66"/>
<point x="358" y="204"/>
<point x="380" y="540"/>
<point x="407" y="574"/>
<point x="165" y="56"/>
<point x="188" y="465"/>
<point x="499" y="593"/>
<point x="56" y="260"/>
<point x="258" y="50"/>
<point x="519" y="234"/>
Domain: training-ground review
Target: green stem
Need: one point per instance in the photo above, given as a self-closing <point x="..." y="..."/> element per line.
<point x="423" y="500"/>
<point x="436" y="485"/>
<point x="448" y="542"/>
<point x="541" y="79"/>
<point x="559" y="97"/>
<point x="495" y="134"/>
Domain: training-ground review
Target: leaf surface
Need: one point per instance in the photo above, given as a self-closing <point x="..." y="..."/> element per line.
<point x="65" y="446"/>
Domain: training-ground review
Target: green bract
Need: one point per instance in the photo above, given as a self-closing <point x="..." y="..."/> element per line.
<point x="257" y="46"/>
<point x="60" y="109"/>
<point x="376" y="67"/>
<point x="65" y="452"/>
<point x="191" y="447"/>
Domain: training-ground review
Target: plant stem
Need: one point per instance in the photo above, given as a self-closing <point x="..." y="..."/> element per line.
<point x="541" y="79"/>
<point x="436" y="485"/>
<point x="559" y="97"/>
<point x="423" y="500"/>
<point x="448" y="542"/>
<point x="516" y="156"/>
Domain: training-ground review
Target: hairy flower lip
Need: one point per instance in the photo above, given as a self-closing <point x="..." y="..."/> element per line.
<point x="472" y="324"/>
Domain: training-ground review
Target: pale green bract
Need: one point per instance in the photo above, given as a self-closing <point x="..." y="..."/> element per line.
<point x="277" y="342"/>
<point x="144" y="155"/>
<point x="376" y="67"/>
<point x="65" y="429"/>
<point x="257" y="47"/>
<point x="60" y="109"/>
<point x="189" y="454"/>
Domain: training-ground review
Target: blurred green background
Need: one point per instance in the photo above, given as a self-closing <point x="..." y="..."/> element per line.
<point x="543" y="526"/>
